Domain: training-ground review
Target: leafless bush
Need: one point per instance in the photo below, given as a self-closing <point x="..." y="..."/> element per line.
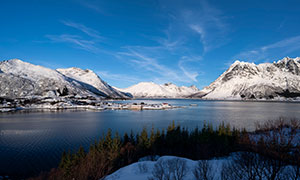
<point x="246" y="165"/>
<point x="293" y="172"/>
<point x="180" y="168"/>
<point x="243" y="166"/>
<point x="279" y="123"/>
<point x="203" y="171"/>
<point x="172" y="169"/>
<point x="158" y="172"/>
<point x="279" y="139"/>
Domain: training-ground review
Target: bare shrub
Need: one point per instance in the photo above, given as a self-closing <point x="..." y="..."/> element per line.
<point x="180" y="168"/>
<point x="244" y="166"/>
<point x="293" y="172"/>
<point x="247" y="165"/>
<point x="203" y="171"/>
<point x="172" y="169"/>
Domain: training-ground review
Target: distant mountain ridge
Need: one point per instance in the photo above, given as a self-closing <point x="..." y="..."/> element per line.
<point x="20" y="79"/>
<point x="167" y="90"/>
<point x="242" y="80"/>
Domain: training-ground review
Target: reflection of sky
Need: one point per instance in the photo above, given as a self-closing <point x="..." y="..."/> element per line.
<point x="34" y="141"/>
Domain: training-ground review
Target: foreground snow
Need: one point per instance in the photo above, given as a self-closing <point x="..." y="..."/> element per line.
<point x="143" y="170"/>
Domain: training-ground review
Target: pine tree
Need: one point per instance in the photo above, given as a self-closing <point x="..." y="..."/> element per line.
<point x="132" y="138"/>
<point x="228" y="130"/>
<point x="63" y="160"/>
<point x="152" y="136"/>
<point x="171" y="127"/>
<point x="81" y="153"/>
<point x="210" y="128"/>
<point x="108" y="139"/>
<point x="116" y="144"/>
<point x="221" y="129"/>
<point x="66" y="164"/>
<point x="204" y="129"/>
<point x="143" y="139"/>
<point x="125" y="139"/>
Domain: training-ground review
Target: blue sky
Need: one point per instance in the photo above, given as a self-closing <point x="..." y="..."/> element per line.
<point x="128" y="41"/>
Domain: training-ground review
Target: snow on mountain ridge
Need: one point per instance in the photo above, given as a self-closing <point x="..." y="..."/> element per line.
<point x="89" y="77"/>
<point x="21" y="79"/>
<point x="167" y="90"/>
<point x="27" y="70"/>
<point x="248" y="80"/>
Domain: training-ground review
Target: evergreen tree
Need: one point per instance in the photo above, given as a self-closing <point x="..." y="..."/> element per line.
<point x="108" y="139"/>
<point x="152" y="136"/>
<point x="125" y="139"/>
<point x="143" y="139"/>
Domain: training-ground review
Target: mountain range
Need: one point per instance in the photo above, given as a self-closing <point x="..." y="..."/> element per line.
<point x="167" y="90"/>
<point x="242" y="80"/>
<point x="20" y="79"/>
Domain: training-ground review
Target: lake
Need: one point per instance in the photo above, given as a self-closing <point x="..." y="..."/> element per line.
<point x="32" y="142"/>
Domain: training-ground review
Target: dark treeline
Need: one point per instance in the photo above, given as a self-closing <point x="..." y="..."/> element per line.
<point x="112" y="152"/>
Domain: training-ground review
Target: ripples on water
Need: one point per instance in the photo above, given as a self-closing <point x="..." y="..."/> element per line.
<point x="32" y="142"/>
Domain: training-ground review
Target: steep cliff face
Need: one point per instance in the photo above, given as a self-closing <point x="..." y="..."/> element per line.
<point x="244" y="80"/>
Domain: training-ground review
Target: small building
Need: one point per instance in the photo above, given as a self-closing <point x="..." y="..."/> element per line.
<point x="135" y="107"/>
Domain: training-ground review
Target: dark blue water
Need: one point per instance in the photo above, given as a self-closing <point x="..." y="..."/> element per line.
<point x="32" y="142"/>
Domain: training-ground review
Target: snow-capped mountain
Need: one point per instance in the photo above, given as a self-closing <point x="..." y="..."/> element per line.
<point x="244" y="80"/>
<point x="168" y="90"/>
<point x="89" y="77"/>
<point x="20" y="79"/>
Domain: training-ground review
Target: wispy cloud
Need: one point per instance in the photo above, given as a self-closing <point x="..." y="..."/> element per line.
<point x="89" y="31"/>
<point x="93" y="5"/>
<point x="77" y="41"/>
<point x="88" y="43"/>
<point x="188" y="71"/>
<point x="201" y="18"/>
<point x="162" y="73"/>
<point x="198" y="29"/>
<point x="293" y="42"/>
<point x="265" y="53"/>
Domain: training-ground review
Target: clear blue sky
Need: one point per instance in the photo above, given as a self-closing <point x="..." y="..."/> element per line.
<point x="127" y="41"/>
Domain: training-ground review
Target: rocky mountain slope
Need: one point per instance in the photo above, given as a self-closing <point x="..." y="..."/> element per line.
<point x="277" y="80"/>
<point x="20" y="79"/>
<point x="89" y="77"/>
<point x="168" y="90"/>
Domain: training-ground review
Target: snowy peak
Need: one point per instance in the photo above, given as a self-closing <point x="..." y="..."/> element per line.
<point x="27" y="70"/>
<point x="167" y="90"/>
<point x="244" y="80"/>
<point x="22" y="79"/>
<point x="289" y="64"/>
<point x="89" y="77"/>
<point x="86" y="76"/>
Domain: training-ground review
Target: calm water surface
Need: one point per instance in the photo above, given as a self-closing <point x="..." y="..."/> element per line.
<point x="32" y="142"/>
